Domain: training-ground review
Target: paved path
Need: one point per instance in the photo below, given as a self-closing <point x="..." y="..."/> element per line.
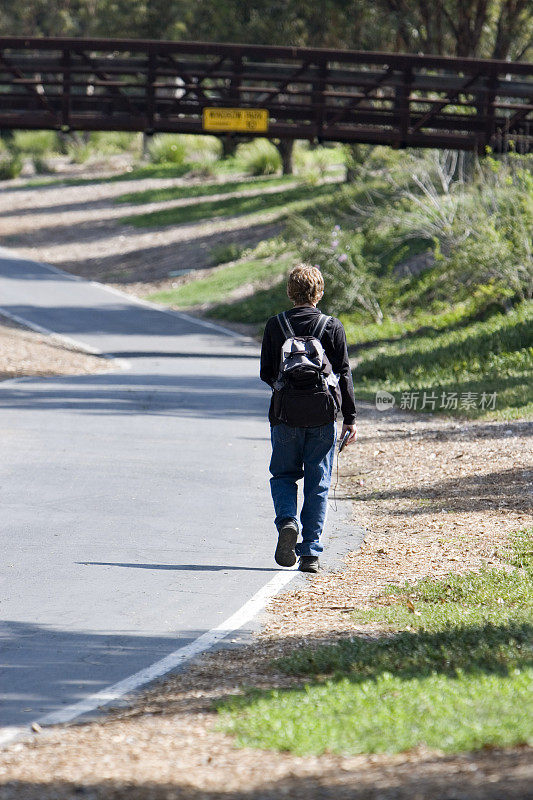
<point x="135" y="506"/>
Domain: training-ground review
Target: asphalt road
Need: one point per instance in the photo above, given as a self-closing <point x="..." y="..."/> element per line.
<point x="136" y="512"/>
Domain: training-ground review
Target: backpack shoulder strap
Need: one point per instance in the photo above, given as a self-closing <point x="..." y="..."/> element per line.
<point x="285" y="325"/>
<point x="320" y="326"/>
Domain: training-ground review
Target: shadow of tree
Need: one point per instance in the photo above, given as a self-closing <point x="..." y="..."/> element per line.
<point x="506" y="488"/>
<point x="474" y="648"/>
<point x="417" y="424"/>
<point x="196" y="396"/>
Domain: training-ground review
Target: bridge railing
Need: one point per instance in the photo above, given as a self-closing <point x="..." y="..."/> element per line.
<point x="316" y="94"/>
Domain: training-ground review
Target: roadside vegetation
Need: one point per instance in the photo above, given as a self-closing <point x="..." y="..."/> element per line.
<point x="49" y="155"/>
<point x="224" y="281"/>
<point x="428" y="263"/>
<point x="161" y="195"/>
<point x="452" y="669"/>
<point x="282" y="202"/>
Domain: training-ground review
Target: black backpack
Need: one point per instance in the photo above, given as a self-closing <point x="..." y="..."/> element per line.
<point x="306" y="392"/>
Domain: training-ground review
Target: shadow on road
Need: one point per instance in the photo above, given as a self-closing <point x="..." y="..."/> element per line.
<point x="45" y="668"/>
<point x="121" y="318"/>
<point x="181" y="567"/>
<point x="164" y="354"/>
<point x="217" y="396"/>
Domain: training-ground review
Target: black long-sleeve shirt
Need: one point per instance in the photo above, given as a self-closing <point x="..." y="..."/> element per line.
<point x="303" y="319"/>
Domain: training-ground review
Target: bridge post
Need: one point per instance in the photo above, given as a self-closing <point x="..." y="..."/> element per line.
<point x="401" y="106"/>
<point x="317" y="98"/>
<point x="150" y="93"/>
<point x="66" y="88"/>
<point x="229" y="141"/>
<point x="487" y="109"/>
<point x="235" y="81"/>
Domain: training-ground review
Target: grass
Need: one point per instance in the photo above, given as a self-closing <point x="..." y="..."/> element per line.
<point x="360" y="333"/>
<point x="137" y="173"/>
<point x="488" y="356"/>
<point x="220" y="283"/>
<point x="255" y="308"/>
<point x="455" y="673"/>
<point x="491" y="596"/>
<point x="385" y="714"/>
<point x="284" y="202"/>
<point x="200" y="190"/>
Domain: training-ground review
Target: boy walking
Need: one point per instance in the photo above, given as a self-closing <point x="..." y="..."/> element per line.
<point x="304" y="359"/>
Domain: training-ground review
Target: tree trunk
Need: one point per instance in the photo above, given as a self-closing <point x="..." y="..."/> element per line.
<point x="229" y="145"/>
<point x="145" y="152"/>
<point x="286" y="147"/>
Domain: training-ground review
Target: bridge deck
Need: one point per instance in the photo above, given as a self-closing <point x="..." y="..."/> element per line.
<point x="316" y="94"/>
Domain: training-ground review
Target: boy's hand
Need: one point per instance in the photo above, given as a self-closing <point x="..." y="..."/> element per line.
<point x="353" y="433"/>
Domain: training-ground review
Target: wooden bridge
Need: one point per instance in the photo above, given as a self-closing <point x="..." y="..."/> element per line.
<point x="297" y="93"/>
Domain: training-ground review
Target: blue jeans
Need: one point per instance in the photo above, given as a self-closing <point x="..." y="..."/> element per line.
<point x="306" y="453"/>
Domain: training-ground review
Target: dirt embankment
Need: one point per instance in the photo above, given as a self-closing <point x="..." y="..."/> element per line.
<point x="79" y="229"/>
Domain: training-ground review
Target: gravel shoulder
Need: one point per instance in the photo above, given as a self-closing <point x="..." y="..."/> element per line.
<point x="25" y="353"/>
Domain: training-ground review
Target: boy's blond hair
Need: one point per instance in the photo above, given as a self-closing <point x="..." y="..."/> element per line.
<point x="305" y="284"/>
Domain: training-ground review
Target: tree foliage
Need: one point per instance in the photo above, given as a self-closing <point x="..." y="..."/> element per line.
<point x="478" y="28"/>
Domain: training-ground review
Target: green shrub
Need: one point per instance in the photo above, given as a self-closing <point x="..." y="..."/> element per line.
<point x="259" y="157"/>
<point x="201" y="148"/>
<point x="314" y="162"/>
<point x="481" y="230"/>
<point x="10" y="166"/>
<point x="167" y="149"/>
<point x="112" y="142"/>
<point x="478" y="229"/>
<point x="349" y="277"/>
<point x="35" y="143"/>
<point x="42" y="166"/>
<point x="79" y="153"/>
<point x="223" y="253"/>
<point x="494" y="235"/>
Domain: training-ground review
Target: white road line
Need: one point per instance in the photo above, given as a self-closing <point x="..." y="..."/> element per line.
<point x="5" y="253"/>
<point x="157" y="307"/>
<point x="175" y="659"/>
<point x="121" y="362"/>
<point x="47" y="332"/>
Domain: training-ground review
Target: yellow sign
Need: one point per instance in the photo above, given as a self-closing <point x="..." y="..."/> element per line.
<point x="253" y="120"/>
